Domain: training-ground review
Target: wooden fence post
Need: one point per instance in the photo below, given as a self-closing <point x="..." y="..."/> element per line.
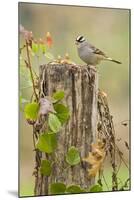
<point x="80" y="84"/>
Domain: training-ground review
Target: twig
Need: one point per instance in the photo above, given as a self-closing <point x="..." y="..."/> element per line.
<point x="123" y="160"/>
<point x="31" y="97"/>
<point x="107" y="128"/>
<point x="30" y="69"/>
<point x="105" y="182"/>
<point x="34" y="138"/>
<point x="119" y="166"/>
<point x="125" y="184"/>
<point x="21" y="48"/>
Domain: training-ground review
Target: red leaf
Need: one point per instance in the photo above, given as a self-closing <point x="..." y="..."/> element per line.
<point x="49" y="39"/>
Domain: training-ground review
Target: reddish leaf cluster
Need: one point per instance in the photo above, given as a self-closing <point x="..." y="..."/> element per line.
<point x="49" y="39"/>
<point x="28" y="36"/>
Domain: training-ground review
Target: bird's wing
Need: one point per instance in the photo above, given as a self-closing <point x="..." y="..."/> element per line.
<point x="101" y="53"/>
<point x="97" y="51"/>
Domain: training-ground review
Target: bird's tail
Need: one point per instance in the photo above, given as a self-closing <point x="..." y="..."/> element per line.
<point x="116" y="61"/>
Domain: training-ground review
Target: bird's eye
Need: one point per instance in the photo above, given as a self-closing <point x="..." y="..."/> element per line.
<point x="80" y="39"/>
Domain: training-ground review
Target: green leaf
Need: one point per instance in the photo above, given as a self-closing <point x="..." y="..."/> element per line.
<point x="47" y="142"/>
<point x="54" y="123"/>
<point x="62" y="112"/>
<point x="57" y="188"/>
<point x="73" y="157"/>
<point x="73" y="189"/>
<point x="58" y="95"/>
<point x="43" y="48"/>
<point x="35" y="47"/>
<point x="96" y="188"/>
<point x="31" y="111"/>
<point x="45" y="168"/>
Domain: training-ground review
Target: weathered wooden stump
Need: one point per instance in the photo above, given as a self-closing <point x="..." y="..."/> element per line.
<point x="80" y="86"/>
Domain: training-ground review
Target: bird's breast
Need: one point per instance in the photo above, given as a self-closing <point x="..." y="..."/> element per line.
<point x="87" y="56"/>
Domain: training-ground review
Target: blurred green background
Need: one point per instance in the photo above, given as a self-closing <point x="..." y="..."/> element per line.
<point x="107" y="29"/>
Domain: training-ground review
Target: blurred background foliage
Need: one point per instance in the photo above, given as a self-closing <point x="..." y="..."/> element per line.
<point x="107" y="29"/>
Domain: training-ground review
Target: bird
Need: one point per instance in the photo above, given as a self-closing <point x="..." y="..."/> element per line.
<point x="89" y="53"/>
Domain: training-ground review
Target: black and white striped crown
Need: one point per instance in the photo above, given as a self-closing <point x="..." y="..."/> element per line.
<point x="80" y="38"/>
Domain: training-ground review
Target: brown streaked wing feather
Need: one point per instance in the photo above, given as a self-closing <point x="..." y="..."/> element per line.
<point x="98" y="51"/>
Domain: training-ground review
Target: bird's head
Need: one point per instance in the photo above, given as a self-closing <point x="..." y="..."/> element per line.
<point x="79" y="40"/>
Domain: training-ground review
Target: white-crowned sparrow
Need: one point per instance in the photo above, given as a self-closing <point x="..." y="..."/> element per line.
<point x="90" y="54"/>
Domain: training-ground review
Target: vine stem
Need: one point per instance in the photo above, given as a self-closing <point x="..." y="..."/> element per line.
<point x="110" y="131"/>
<point x="105" y="182"/>
<point x="30" y="69"/>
